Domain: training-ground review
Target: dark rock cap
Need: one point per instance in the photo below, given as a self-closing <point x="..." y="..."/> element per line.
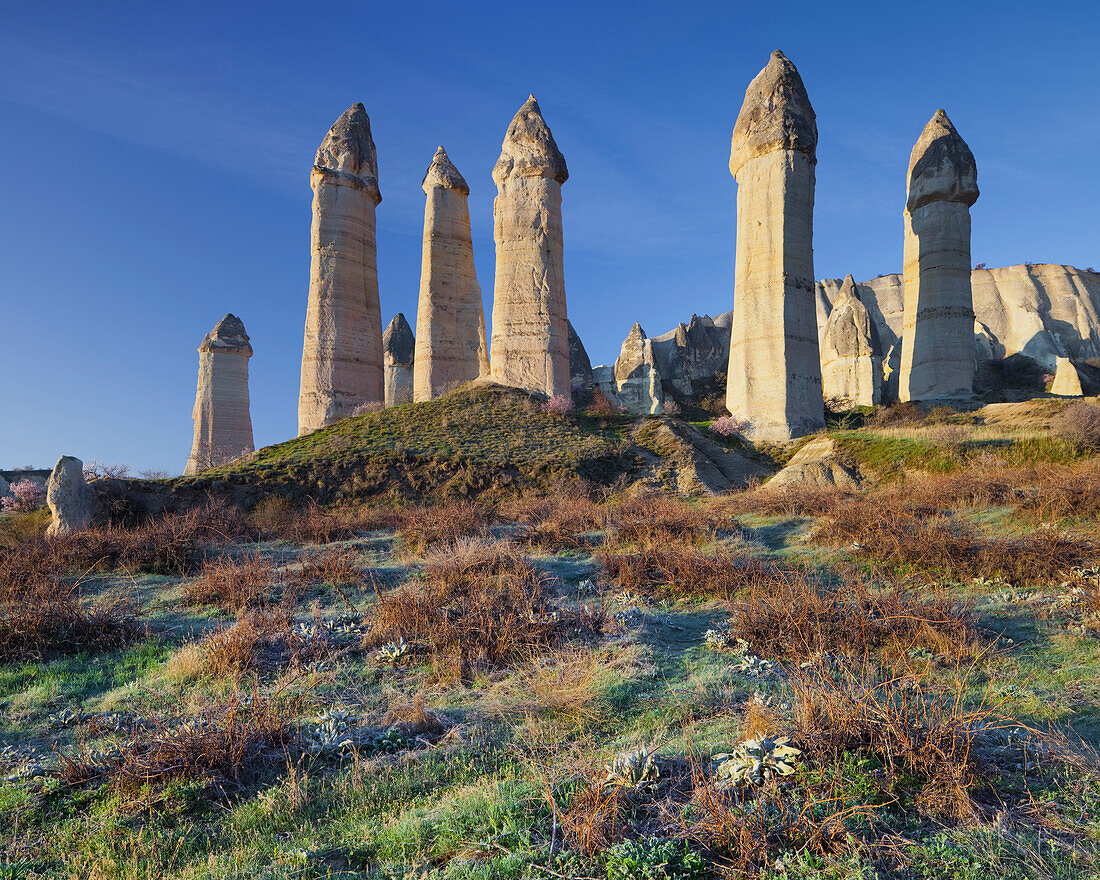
<point x="941" y="166"/>
<point x="776" y="115"/>
<point x="398" y="342"/>
<point x="348" y="152"/>
<point x="228" y="335"/>
<point x="529" y="149"/>
<point x="443" y="174"/>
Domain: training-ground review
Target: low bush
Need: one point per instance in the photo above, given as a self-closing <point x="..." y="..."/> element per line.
<point x="561" y="519"/>
<point x="421" y="527"/>
<point x="659" y="521"/>
<point x="233" y="583"/>
<point x="260" y="639"/>
<point x="675" y="572"/>
<point x="1079" y="424"/>
<point x="223" y="742"/>
<point x="475" y="603"/>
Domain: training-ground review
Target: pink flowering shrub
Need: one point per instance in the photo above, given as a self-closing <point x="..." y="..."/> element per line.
<point x="671" y="408"/>
<point x="26" y="495"/>
<point x="368" y="407"/>
<point x="558" y="405"/>
<point x="729" y="426"/>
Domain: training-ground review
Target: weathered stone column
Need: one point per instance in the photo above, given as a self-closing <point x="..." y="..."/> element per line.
<point x="398" y="348"/>
<point x="774" y="378"/>
<point x="1067" y="381"/>
<point x="937" y="338"/>
<point x="342" y="352"/>
<point x="223" y="423"/>
<point x="450" y="320"/>
<point x="69" y="498"/>
<point x="637" y="378"/>
<point x="530" y="344"/>
<point x="851" y="358"/>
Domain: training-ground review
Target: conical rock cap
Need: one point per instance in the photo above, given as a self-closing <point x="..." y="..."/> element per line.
<point x="941" y="166"/>
<point x="776" y="115"/>
<point x="529" y="149"/>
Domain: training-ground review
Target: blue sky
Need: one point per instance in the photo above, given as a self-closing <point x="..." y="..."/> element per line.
<point x="154" y="162"/>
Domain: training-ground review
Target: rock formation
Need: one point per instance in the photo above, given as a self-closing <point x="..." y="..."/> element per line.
<point x="450" y="322"/>
<point x="851" y="356"/>
<point x="774" y="377"/>
<point x="5" y="487"/>
<point x="693" y="353"/>
<point x="637" y="379"/>
<point x="818" y="463"/>
<point x="580" y="367"/>
<point x="223" y="423"/>
<point x="69" y="498"/>
<point x="937" y="355"/>
<point x="398" y="348"/>
<point x="530" y="343"/>
<point x="1067" y="381"/>
<point x="342" y="352"/>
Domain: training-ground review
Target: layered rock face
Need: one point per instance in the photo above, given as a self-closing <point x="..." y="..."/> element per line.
<point x="342" y="352"/>
<point x="398" y="353"/>
<point x="223" y="422"/>
<point x="580" y="366"/>
<point x="851" y="360"/>
<point x="69" y="498"/>
<point x="530" y="342"/>
<point x="694" y="352"/>
<point x="937" y="354"/>
<point x="637" y="377"/>
<point x="1067" y="381"/>
<point x="774" y="377"/>
<point x="450" y="321"/>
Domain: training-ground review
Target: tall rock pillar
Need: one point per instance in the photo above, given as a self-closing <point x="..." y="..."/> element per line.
<point x="399" y="347"/>
<point x="223" y="423"/>
<point x="774" y="378"/>
<point x="530" y="343"/>
<point x="450" y="321"/>
<point x="342" y="352"/>
<point x="937" y="338"/>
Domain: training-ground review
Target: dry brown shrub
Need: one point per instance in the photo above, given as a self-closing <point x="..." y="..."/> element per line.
<point x="1079" y="424"/>
<point x="561" y="519"/>
<point x="896" y="415"/>
<point x="43" y="613"/>
<point x="931" y="541"/>
<point x="337" y="566"/>
<point x="423" y="526"/>
<point x="787" y="613"/>
<point x="595" y="818"/>
<point x="276" y="517"/>
<point x="223" y="742"/>
<point x="176" y="543"/>
<point x="676" y="572"/>
<point x="912" y="727"/>
<point x="260" y="639"/>
<point x="477" y="602"/>
<point x="413" y="718"/>
<point x="233" y="583"/>
<point x="657" y="521"/>
<point x="786" y="501"/>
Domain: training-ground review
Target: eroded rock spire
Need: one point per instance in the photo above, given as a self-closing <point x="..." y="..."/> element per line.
<point x="223" y="422"/>
<point x="450" y="319"/>
<point x="774" y="378"/>
<point x="342" y="351"/>
<point x="937" y="353"/>
<point x="530" y="343"/>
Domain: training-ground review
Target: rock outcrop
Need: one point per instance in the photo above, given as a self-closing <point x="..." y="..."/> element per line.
<point x="398" y="352"/>
<point x="637" y="379"/>
<point x="693" y="353"/>
<point x="774" y="376"/>
<point x="450" y="320"/>
<point x="342" y="351"/>
<point x="1067" y="381"/>
<point x="818" y="463"/>
<point x="851" y="355"/>
<point x="223" y="421"/>
<point x="5" y="488"/>
<point x="530" y="342"/>
<point x="937" y="354"/>
<point x="580" y="366"/>
<point x="69" y="498"/>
